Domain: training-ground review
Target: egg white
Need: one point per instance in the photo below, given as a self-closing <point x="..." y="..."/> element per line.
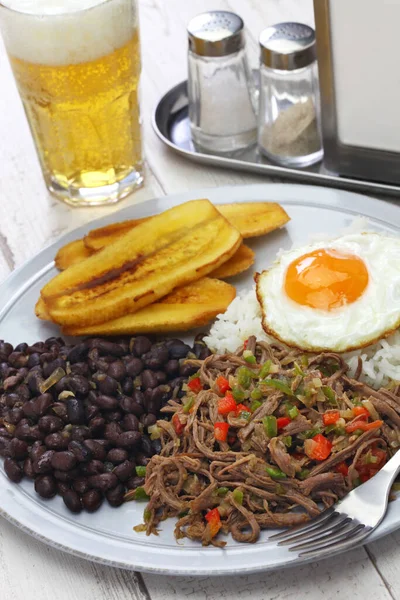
<point x="371" y="317"/>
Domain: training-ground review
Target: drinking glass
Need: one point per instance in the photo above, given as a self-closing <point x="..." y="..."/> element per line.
<point x="77" y="68"/>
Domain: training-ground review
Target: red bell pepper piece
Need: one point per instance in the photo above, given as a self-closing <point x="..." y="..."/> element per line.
<point x="358" y="424"/>
<point x="221" y="431"/>
<point x="245" y="344"/>
<point x="361" y="411"/>
<point x="223" y="384"/>
<point x="213" y="519"/>
<point x="178" y="425"/>
<point x="226" y="404"/>
<point x="195" y="385"/>
<point x="282" y="422"/>
<point x="331" y="417"/>
<point x="318" y="447"/>
<point x="342" y="468"/>
<point x="367" y="470"/>
<point x="241" y="408"/>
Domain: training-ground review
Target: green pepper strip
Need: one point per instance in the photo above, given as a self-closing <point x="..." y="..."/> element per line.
<point x="275" y="473"/>
<point x="270" y="426"/>
<point x="254" y="405"/>
<point x="238" y="496"/>
<point x="329" y="394"/>
<point x="256" y="394"/>
<point x="304" y="473"/>
<point x="222" y="491"/>
<point x="287" y="440"/>
<point x="265" y="369"/>
<point x="249" y="357"/>
<point x="238" y="394"/>
<point x="278" y="385"/>
<point x="292" y="412"/>
<point x="244" y="377"/>
<point x="298" y="370"/>
<point x="140" y="494"/>
<point x="188" y="405"/>
<point x="141" y="471"/>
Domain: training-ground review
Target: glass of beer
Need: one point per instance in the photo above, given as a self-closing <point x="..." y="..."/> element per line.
<point x="77" y="67"/>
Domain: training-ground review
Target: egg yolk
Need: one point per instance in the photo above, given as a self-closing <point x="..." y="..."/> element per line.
<point x="326" y="279"/>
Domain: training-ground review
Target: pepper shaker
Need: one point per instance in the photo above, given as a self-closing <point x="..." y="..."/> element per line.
<point x="220" y="84"/>
<point x="289" y="131"/>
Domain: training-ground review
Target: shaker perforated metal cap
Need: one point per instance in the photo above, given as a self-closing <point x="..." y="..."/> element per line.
<point x="288" y="46"/>
<point x="216" y="33"/>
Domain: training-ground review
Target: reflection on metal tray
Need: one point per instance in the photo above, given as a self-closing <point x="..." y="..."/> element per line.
<point x="171" y="124"/>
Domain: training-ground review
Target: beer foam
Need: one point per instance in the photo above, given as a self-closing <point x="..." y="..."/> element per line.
<point x="62" y="32"/>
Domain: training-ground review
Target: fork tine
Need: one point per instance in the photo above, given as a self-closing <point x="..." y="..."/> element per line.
<point x="303" y="528"/>
<point x="338" y="546"/>
<point x="327" y="527"/>
<point x="344" y="533"/>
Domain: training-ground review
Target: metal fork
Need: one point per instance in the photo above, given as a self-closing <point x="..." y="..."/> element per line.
<point x="346" y="524"/>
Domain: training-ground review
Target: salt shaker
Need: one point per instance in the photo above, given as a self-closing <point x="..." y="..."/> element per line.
<point x="289" y="130"/>
<point x="221" y="89"/>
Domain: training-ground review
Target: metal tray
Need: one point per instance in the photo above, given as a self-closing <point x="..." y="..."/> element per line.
<point x="171" y="124"/>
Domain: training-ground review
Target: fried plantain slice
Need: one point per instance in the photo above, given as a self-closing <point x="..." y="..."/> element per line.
<point x="240" y="261"/>
<point x="254" y="218"/>
<point x="41" y="310"/>
<point x="193" y="305"/>
<point x="104" y="236"/>
<point x="71" y="253"/>
<point x="181" y="245"/>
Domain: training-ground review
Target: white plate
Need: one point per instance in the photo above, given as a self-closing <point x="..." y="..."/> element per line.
<point x="107" y="535"/>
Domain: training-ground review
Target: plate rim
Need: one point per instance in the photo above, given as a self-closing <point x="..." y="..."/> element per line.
<point x="16" y="283"/>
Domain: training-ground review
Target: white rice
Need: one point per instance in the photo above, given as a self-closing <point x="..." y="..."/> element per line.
<point x="381" y="361"/>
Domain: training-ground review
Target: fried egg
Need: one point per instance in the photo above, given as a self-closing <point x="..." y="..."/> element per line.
<point x="338" y="295"/>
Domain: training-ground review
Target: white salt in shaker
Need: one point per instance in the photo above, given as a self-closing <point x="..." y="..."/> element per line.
<point x="221" y="90"/>
<point x="289" y="131"/>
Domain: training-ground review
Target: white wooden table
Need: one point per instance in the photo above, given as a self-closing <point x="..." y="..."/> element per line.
<point x="30" y="218"/>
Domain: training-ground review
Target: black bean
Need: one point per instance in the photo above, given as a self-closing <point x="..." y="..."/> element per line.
<point x="4" y="433"/>
<point x="79" y="385"/>
<point x="4" y="368"/>
<point x="113" y="415"/>
<point x="45" y="486"/>
<point x="141" y="345"/>
<point x="141" y="459"/>
<point x="156" y="358"/>
<point x="43" y="464"/>
<point x="134" y="367"/>
<point x="161" y="377"/>
<point x="23" y="392"/>
<point x="33" y="360"/>
<point x="50" y="424"/>
<point x="186" y="369"/>
<point x="92" y="500"/>
<point x="11" y="399"/>
<point x="75" y="411"/>
<point x="112" y="432"/>
<point x="66" y="476"/>
<point x="91" y="410"/>
<point x="106" y="347"/>
<point x="138" y="397"/>
<point x="50" y="367"/>
<point x="81" y="452"/>
<point x="117" y="370"/>
<point x="96" y="426"/>
<point x="127" y="386"/>
<point x="135" y="482"/>
<point x="104" y="481"/>
<point x="28" y="468"/>
<point x="13" y="470"/>
<point x="125" y="470"/>
<point x="153" y="407"/>
<point x="23" y="431"/>
<point x="15" y="415"/>
<point x="28" y="408"/>
<point x="93" y="467"/>
<point x="72" y="501"/>
<point x="146" y="447"/>
<point x="80" y="433"/>
<point x="5" y="348"/>
<point x="80" y="368"/>
<point x="106" y="402"/>
<point x="115" y="497"/>
<point x="178" y="350"/>
<point x="117" y="456"/>
<point x="81" y="485"/>
<point x="128" y="439"/>
<point x="4" y="446"/>
<point x="60" y="409"/>
<point x="37" y="450"/>
<point x="18" y="449"/>
<point x="156" y="446"/>
<point x="97" y="451"/>
<point x="62" y="487"/>
<point x="106" y="444"/>
<point x="36" y="434"/>
<point x="17" y="359"/>
<point x="34" y="380"/>
<point x="12" y="381"/>
<point x="149" y="420"/>
<point x="63" y="461"/>
<point x="105" y="384"/>
<point x="125" y="403"/>
<point x="78" y="352"/>
<point x="171" y="368"/>
<point x="130" y="423"/>
<point x="22" y="347"/>
<point x="149" y="379"/>
<point x="56" y="441"/>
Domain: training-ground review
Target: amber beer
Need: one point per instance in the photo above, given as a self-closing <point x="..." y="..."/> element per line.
<point x="78" y="77"/>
